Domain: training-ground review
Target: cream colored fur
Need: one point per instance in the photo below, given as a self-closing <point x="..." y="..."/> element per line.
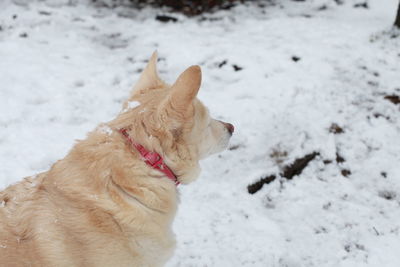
<point x="102" y="205"/>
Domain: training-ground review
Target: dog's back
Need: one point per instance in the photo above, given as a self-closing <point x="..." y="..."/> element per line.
<point x="17" y="212"/>
<point x="39" y="228"/>
<point x="62" y="218"/>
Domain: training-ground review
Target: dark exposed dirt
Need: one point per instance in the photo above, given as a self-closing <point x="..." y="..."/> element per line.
<point x="362" y="5"/>
<point x="387" y="194"/>
<point x="221" y="64"/>
<point x="236" y="67"/>
<point x="296" y="58"/>
<point x="345" y="172"/>
<point x="255" y="187"/>
<point x="165" y="18"/>
<point x="187" y="7"/>
<point x="234" y="147"/>
<point x="336" y="129"/>
<point x="395" y="99"/>
<point x="298" y="165"/>
<point x="289" y="172"/>
<point x="339" y="158"/>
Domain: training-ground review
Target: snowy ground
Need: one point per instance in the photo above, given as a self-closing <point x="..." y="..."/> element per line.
<point x="66" y="68"/>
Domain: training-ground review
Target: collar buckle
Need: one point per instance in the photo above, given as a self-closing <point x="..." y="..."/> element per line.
<point x="153" y="159"/>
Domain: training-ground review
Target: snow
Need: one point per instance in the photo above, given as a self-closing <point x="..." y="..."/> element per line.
<point x="105" y="129"/>
<point x="131" y="105"/>
<point x="65" y="68"/>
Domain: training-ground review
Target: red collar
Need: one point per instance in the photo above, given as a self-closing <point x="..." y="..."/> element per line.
<point x="151" y="158"/>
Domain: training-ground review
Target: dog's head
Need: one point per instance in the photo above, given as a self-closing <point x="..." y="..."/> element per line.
<point x="170" y="120"/>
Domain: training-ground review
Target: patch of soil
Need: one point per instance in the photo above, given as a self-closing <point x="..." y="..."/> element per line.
<point x="336" y="129"/>
<point x="361" y="5"/>
<point x="234" y="147"/>
<point x="339" y="158"/>
<point x="278" y="156"/>
<point x="165" y="18"/>
<point x="298" y="165"/>
<point x="296" y="58"/>
<point x="289" y="172"/>
<point x="387" y="194"/>
<point x="255" y="187"/>
<point x="345" y="172"/>
<point x="395" y="99"/>
<point x="236" y="67"/>
<point x="191" y="7"/>
<point x="221" y="64"/>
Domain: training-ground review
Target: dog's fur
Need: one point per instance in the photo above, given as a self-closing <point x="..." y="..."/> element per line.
<point x="102" y="205"/>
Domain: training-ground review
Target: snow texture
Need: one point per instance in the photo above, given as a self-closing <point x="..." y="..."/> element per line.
<point x="133" y="104"/>
<point x="105" y="129"/>
<point x="293" y="77"/>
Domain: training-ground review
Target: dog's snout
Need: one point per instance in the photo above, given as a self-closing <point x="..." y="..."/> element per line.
<point x="229" y="127"/>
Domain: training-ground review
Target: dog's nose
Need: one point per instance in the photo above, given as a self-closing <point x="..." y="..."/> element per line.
<point x="230" y="127"/>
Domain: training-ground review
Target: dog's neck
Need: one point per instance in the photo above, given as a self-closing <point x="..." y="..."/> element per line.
<point x="152" y="159"/>
<point x="186" y="168"/>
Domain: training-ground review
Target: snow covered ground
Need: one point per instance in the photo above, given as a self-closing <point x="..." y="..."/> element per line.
<point x="282" y="74"/>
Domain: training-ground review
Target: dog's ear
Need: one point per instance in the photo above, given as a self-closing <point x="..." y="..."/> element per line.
<point x="185" y="89"/>
<point x="149" y="78"/>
